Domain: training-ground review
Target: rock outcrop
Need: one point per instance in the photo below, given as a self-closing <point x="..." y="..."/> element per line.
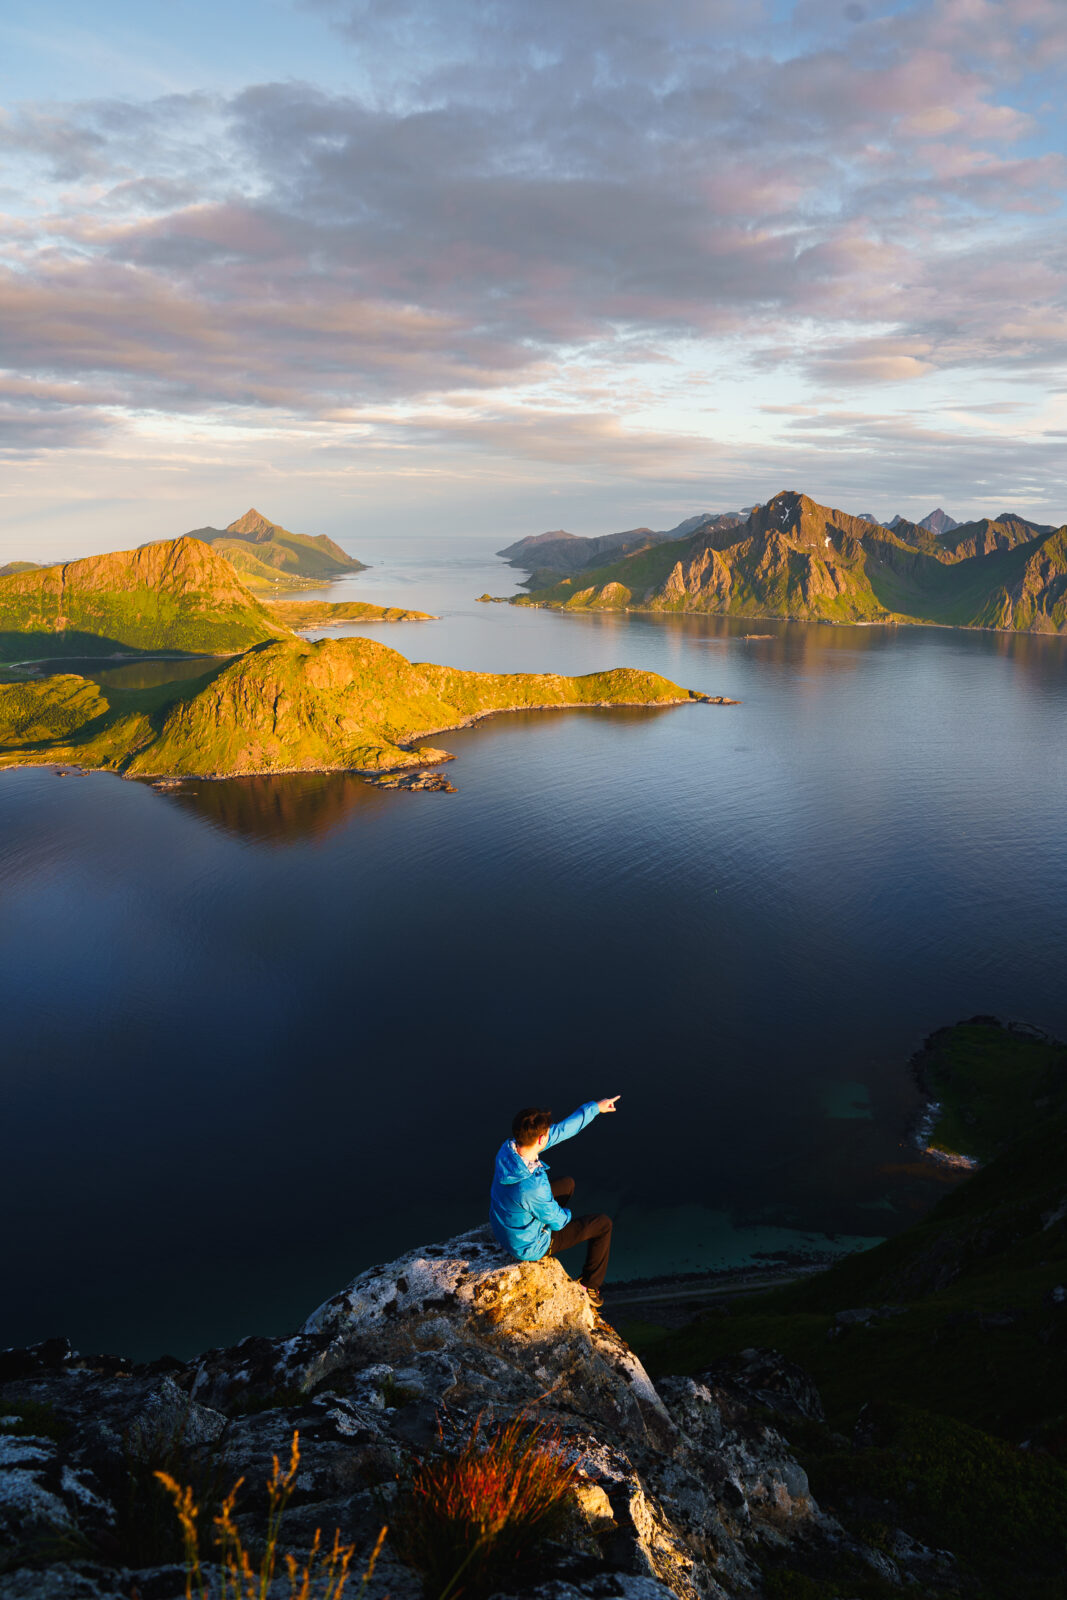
<point x="681" y="1487"/>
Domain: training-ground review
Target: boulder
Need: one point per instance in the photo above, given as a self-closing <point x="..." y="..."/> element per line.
<point x="520" y="1332"/>
<point x="680" y="1487"/>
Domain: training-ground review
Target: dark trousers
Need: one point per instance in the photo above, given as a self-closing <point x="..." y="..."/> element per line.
<point x="594" y="1230"/>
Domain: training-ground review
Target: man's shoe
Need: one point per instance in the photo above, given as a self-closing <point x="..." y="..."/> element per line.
<point x="596" y="1299"/>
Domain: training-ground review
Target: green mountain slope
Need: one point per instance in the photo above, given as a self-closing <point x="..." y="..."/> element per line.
<point x="794" y="558"/>
<point x="331" y="705"/>
<point x="176" y="596"/>
<point x="940" y="1355"/>
<point x="268" y="556"/>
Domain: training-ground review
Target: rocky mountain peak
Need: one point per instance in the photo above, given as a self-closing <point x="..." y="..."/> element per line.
<point x="253" y="525"/>
<point x="939" y="521"/>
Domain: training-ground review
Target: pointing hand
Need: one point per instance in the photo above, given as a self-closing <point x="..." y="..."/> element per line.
<point x="607" y="1105"/>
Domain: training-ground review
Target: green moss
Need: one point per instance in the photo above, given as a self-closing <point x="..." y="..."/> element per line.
<point x="1001" y="1511"/>
<point x="32" y="1419"/>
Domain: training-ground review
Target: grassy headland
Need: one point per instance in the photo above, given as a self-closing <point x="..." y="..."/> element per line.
<point x="330" y="705"/>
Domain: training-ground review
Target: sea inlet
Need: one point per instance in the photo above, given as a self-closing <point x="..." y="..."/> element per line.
<point x="261" y="1034"/>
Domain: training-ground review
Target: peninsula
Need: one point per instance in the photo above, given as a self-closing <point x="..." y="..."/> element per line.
<point x="290" y="706"/>
<point x="793" y="558"/>
<point x="268" y="556"/>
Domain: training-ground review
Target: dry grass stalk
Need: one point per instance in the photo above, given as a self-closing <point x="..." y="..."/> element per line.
<point x="321" y="1577"/>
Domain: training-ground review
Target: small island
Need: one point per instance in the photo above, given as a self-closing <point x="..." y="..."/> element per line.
<point x="302" y="615"/>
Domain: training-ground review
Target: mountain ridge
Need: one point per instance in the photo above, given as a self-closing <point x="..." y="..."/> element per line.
<point x="793" y="558"/>
<point x="546" y="556"/>
<point x="177" y="595"/>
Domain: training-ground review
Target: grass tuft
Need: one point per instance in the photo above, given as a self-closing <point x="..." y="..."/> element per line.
<point x="467" y="1516"/>
<point x="322" y="1576"/>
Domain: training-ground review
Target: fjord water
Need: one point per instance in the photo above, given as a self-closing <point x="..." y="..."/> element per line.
<point x="264" y="1033"/>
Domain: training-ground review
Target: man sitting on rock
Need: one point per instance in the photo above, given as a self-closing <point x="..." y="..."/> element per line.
<point x="524" y="1207"/>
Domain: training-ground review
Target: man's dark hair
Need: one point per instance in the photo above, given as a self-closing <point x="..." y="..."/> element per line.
<point x="529" y="1124"/>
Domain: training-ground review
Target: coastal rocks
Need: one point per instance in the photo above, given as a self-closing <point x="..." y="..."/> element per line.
<point x="415" y="780"/>
<point x="749" y="1470"/>
<point x="682" y="1487"/>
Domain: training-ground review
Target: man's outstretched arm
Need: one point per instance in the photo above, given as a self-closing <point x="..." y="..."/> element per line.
<point x="578" y="1120"/>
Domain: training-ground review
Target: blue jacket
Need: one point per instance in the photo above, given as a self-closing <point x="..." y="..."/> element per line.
<point x="522" y="1212"/>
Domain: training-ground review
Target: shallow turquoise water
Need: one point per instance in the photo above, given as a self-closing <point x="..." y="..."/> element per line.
<point x="262" y="1034"/>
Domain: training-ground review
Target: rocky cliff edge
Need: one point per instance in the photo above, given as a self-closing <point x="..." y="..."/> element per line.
<point x="682" y="1486"/>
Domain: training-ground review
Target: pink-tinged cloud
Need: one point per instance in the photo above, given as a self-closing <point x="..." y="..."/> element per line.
<point x="540" y="186"/>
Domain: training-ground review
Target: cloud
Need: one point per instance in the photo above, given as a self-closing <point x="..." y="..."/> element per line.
<point x="512" y="191"/>
<point x="28" y="430"/>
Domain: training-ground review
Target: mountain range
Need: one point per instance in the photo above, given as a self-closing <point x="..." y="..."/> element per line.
<point x="282" y="704"/>
<point x="549" y="555"/>
<point x="794" y="558"/>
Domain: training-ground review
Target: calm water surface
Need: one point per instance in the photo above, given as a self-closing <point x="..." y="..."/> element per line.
<point x="262" y="1034"/>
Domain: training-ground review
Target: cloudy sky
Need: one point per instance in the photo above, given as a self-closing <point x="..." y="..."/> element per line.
<point x="480" y="266"/>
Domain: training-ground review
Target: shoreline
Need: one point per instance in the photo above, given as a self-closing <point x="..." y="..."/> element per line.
<point x="676" y="1300"/>
<point x="771" y="616"/>
<point x="439" y="758"/>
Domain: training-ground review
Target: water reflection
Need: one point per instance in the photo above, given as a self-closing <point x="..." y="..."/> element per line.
<point x="1041" y="656"/>
<point x="824" y="645"/>
<point x="279" y="810"/>
<point x="289" y="807"/>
